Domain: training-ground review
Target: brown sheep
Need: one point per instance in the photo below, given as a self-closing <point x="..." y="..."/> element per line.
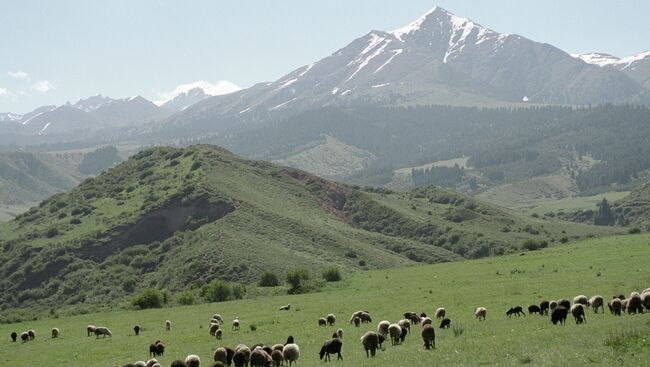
<point x="276" y="356"/>
<point x="370" y="341"/>
<point x="595" y="302"/>
<point x="578" y="312"/>
<point x="634" y="303"/>
<point x="429" y="336"/>
<point x="395" y="332"/>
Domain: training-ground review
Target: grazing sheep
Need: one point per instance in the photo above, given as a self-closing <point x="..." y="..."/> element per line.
<point x="212" y="328"/>
<point x="278" y="347"/>
<point x="581" y="299"/>
<point x="32" y="334"/>
<point x="331" y="319"/>
<point x="429" y="336"/>
<point x="218" y="317"/>
<point x="365" y="317"/>
<point x="14" y="336"/>
<point x="412" y="317"/>
<point x="624" y="305"/>
<point x="559" y="314"/>
<point x="405" y="324"/>
<point x="402" y="336"/>
<point x="645" y="299"/>
<point x="103" y="331"/>
<point x="565" y="303"/>
<point x="595" y="302"/>
<point x="286" y="307"/>
<point x="139" y="364"/>
<point x="578" y="312"/>
<point x="235" y="324"/>
<point x="229" y="355"/>
<point x="543" y="308"/>
<point x="440" y="313"/>
<point x="322" y="322"/>
<point x="356" y="314"/>
<point x="291" y="353"/>
<point x="168" y="325"/>
<point x="193" y="360"/>
<point x="160" y="349"/>
<point x="339" y="333"/>
<point x="408" y="315"/>
<point x="552" y="305"/>
<point x="277" y="358"/>
<point x="239" y="359"/>
<point x="370" y="342"/>
<point x="90" y="329"/>
<point x="24" y="336"/>
<point x="136" y="330"/>
<point x="427" y="321"/>
<point x="423" y="315"/>
<point x="515" y="311"/>
<point x="357" y="321"/>
<point x="152" y="350"/>
<point x="246" y="351"/>
<point x="55" y="333"/>
<point x="395" y="332"/>
<point x="218" y="334"/>
<point x="259" y="358"/>
<point x="382" y="327"/>
<point x="178" y="363"/>
<point x="445" y="324"/>
<point x="534" y="309"/>
<point x="152" y="362"/>
<point x="634" y="303"/>
<point x="480" y="313"/>
<point x="620" y="296"/>
<point x="330" y="347"/>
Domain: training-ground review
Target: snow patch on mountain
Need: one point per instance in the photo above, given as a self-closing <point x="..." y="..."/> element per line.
<point x="219" y="88"/>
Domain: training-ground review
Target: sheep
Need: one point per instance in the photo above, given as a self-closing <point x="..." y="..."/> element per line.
<point x="168" y="325"/>
<point x="405" y="324"/>
<point x="331" y="319"/>
<point x="103" y="331"/>
<point x="370" y="342"/>
<point x="140" y="364"/>
<point x="634" y="303"/>
<point x="581" y="299"/>
<point x="357" y="321"/>
<point x="565" y="303"/>
<point x="229" y="355"/>
<point x="381" y="339"/>
<point x="218" y="317"/>
<point x="365" y="317"/>
<point x="235" y="324"/>
<point x="217" y="364"/>
<point x="239" y="358"/>
<point x="395" y="332"/>
<point x="426" y="321"/>
<point x="322" y="322"/>
<point x="595" y="302"/>
<point x="24" y="336"/>
<point x="277" y="358"/>
<point x="259" y="358"/>
<point x="440" y="313"/>
<point x="90" y="329"/>
<point x="429" y="336"/>
<point x="55" y="333"/>
<point x="552" y="305"/>
<point x="423" y="315"/>
<point x="152" y="362"/>
<point x="445" y="323"/>
<point x="382" y="327"/>
<point x="160" y="349"/>
<point x="246" y="351"/>
<point x="355" y="314"/>
<point x="543" y="307"/>
<point x="559" y="314"/>
<point x="624" y="305"/>
<point x="212" y="328"/>
<point x="278" y="347"/>
<point x="330" y="347"/>
<point x="578" y="312"/>
<point x="218" y="334"/>
<point x="286" y="307"/>
<point x="620" y="296"/>
<point x="291" y="353"/>
<point x="178" y="363"/>
<point x="647" y="290"/>
<point x="290" y="340"/>
<point x="193" y="360"/>
<point x="480" y="313"/>
<point x="515" y="311"/>
<point x="534" y="309"/>
<point x="32" y="334"/>
<point x="645" y="299"/>
<point x="152" y="350"/>
<point x="136" y="330"/>
<point x="412" y="317"/>
<point x="339" y="333"/>
<point x="14" y="336"/>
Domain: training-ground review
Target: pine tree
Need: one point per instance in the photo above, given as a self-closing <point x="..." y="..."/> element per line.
<point x="604" y="216"/>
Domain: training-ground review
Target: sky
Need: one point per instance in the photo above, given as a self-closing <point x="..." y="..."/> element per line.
<point x="57" y="51"/>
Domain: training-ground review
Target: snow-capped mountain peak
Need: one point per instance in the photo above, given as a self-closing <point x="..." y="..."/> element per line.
<point x="597" y="58"/>
<point x="416" y="24"/>
<point x="91" y="103"/>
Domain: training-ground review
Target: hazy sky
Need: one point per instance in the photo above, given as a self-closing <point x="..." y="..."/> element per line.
<point x="55" y="51"/>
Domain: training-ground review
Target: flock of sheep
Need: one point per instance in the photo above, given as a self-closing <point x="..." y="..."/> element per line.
<point x="287" y="353"/>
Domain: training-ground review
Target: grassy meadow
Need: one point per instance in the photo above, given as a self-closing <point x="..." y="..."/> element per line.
<point x="605" y="266"/>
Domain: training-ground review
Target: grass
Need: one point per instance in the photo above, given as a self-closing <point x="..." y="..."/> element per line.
<point x="604" y="266"/>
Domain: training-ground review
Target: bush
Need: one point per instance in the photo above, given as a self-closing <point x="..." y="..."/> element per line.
<point x="296" y="280"/>
<point x="186" y="298"/>
<point x="268" y="279"/>
<point x="150" y="298"/>
<point x="238" y="291"/>
<point x="634" y="230"/>
<point x="216" y="291"/>
<point x="332" y="274"/>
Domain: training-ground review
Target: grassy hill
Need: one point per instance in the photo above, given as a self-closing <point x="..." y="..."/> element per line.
<point x="177" y="218"/>
<point x="599" y="266"/>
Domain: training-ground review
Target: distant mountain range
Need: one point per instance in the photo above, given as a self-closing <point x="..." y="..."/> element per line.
<point x="636" y="67"/>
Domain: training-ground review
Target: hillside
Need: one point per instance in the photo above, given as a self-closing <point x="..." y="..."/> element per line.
<point x="607" y="266"/>
<point x="172" y="218"/>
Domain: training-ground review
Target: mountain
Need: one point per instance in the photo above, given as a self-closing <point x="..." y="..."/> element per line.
<point x="176" y="218"/>
<point x="636" y="67"/>
<point x="186" y="99"/>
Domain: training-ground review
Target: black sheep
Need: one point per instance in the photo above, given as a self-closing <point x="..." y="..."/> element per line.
<point x="564" y="303"/>
<point x="229" y="354"/>
<point x="543" y="307"/>
<point x="515" y="311"/>
<point x="152" y="350"/>
<point x="559" y="314"/>
<point x="14" y="336"/>
<point x="330" y="347"/>
<point x="136" y="330"/>
<point x="445" y="324"/>
<point x="24" y="337"/>
<point x="405" y="331"/>
<point x="289" y="340"/>
<point x="380" y="340"/>
<point x="423" y="315"/>
<point x="239" y="358"/>
<point x="160" y="349"/>
<point x="534" y="309"/>
<point x="178" y="363"/>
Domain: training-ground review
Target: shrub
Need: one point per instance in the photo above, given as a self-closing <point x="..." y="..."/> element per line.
<point x="216" y="291"/>
<point x="332" y="274"/>
<point x="268" y="279"/>
<point x="296" y="280"/>
<point x="186" y="298"/>
<point x="150" y="298"/>
<point x="52" y="232"/>
<point x="564" y="239"/>
<point x="634" y="230"/>
<point x="238" y="291"/>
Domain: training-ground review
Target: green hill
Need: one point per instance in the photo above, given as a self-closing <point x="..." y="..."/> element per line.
<point x="176" y="218"/>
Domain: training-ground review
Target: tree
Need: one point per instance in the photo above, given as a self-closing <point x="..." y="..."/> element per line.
<point x="296" y="279"/>
<point x="604" y="216"/>
<point x="150" y="298"/>
<point x="268" y="279"/>
<point x="99" y="160"/>
<point x="332" y="274"/>
<point x="216" y="291"/>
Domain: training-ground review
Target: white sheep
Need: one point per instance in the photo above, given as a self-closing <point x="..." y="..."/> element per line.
<point x="395" y="332"/>
<point x="218" y="334"/>
<point x="426" y="321"/>
<point x="382" y="327"/>
<point x="235" y="324"/>
<point x="440" y="312"/>
<point x="55" y="332"/>
<point x="103" y="331"/>
<point x="339" y="333"/>
<point x="480" y="313"/>
<point x="581" y="299"/>
<point x="152" y="362"/>
<point x="597" y="301"/>
<point x="291" y="353"/>
<point x="168" y="325"/>
<point x="220" y="355"/>
<point x="90" y="329"/>
<point x="405" y="324"/>
<point x="331" y="319"/>
<point x="193" y="360"/>
<point x="218" y="317"/>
